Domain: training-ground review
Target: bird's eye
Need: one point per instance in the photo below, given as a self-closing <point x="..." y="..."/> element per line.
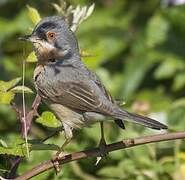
<point x="50" y="35"/>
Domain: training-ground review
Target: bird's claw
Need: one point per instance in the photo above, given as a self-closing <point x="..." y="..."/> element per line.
<point x="56" y="159"/>
<point x="103" y="151"/>
<point x="98" y="159"/>
<point x="102" y="147"/>
<point x="56" y="165"/>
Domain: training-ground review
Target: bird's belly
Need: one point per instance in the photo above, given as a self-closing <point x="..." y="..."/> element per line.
<point x="74" y="119"/>
<point x="66" y="115"/>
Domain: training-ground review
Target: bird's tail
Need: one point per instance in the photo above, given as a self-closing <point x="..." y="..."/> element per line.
<point x="145" y="121"/>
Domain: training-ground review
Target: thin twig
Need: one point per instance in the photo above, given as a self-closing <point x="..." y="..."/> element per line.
<point x="52" y="134"/>
<point x="14" y="167"/>
<point x="29" y="115"/>
<point x="24" y="127"/>
<point x="17" y="110"/>
<point x="29" y="118"/>
<point x="96" y="152"/>
<point x="32" y="112"/>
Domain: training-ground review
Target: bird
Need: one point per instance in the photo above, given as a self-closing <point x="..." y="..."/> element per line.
<point x="72" y="91"/>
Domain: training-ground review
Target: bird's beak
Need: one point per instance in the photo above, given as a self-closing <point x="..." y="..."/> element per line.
<point x="30" y="38"/>
<point x="25" y="38"/>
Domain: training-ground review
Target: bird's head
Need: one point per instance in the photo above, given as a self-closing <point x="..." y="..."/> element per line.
<point x="52" y="39"/>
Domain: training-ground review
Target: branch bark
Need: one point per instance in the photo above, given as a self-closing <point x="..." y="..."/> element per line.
<point x="44" y="166"/>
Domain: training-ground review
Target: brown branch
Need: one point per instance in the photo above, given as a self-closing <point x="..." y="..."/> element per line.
<point x="32" y="113"/>
<point x="29" y="118"/>
<point x="29" y="115"/>
<point x="96" y="151"/>
<point x="17" y="110"/>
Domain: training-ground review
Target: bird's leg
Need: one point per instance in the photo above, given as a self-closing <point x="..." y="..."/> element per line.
<point x="102" y="144"/>
<point x="60" y="153"/>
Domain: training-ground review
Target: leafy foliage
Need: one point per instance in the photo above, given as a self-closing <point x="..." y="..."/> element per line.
<point x="48" y="119"/>
<point x="33" y="15"/>
<point x="9" y="88"/>
<point x="137" y="50"/>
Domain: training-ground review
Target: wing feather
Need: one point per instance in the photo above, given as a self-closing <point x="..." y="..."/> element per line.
<point x="80" y="96"/>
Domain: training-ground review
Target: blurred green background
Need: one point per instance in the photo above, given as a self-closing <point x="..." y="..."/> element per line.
<point x="138" y="50"/>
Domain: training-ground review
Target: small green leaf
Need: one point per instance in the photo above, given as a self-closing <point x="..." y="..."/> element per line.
<point x="48" y="119"/>
<point x="5" y="86"/>
<point x="179" y="81"/>
<point x="19" y="89"/>
<point x="179" y="103"/>
<point x="168" y="68"/>
<point x="41" y="146"/>
<point x="33" y="15"/>
<point x="31" y="58"/>
<point x="14" y="146"/>
<point x="157" y="31"/>
<point x="6" y="97"/>
<point x="16" y="151"/>
<point x="3" y="143"/>
<point x="18" y="141"/>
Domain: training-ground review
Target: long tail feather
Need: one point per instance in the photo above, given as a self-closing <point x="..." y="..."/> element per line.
<point x="145" y="121"/>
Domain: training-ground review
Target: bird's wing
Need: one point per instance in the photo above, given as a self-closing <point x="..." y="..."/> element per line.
<point x="82" y="96"/>
<point x="101" y="86"/>
<point x="119" y="122"/>
<point x="105" y="92"/>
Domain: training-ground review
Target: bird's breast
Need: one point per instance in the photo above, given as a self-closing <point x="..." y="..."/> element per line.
<point x="38" y="70"/>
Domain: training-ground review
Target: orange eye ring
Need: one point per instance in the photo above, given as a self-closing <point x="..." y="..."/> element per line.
<point x="51" y="35"/>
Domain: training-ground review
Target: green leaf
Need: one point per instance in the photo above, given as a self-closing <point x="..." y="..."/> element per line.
<point x="48" y="119"/>
<point x="16" y="151"/>
<point x="33" y="15"/>
<point x="168" y="68"/>
<point x="31" y="58"/>
<point x="19" y="89"/>
<point x="157" y="31"/>
<point x="3" y="143"/>
<point x="179" y="103"/>
<point x="14" y="145"/>
<point x="6" y="97"/>
<point x="41" y="146"/>
<point x="179" y="81"/>
<point x="5" y="86"/>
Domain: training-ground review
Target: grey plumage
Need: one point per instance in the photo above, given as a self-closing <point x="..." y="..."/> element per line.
<point x="72" y="91"/>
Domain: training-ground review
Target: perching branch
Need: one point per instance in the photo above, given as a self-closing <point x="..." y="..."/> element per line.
<point x="46" y="165"/>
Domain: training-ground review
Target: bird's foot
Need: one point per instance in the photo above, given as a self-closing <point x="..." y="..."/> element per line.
<point x="56" y="160"/>
<point x="102" y="147"/>
<point x="103" y="151"/>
